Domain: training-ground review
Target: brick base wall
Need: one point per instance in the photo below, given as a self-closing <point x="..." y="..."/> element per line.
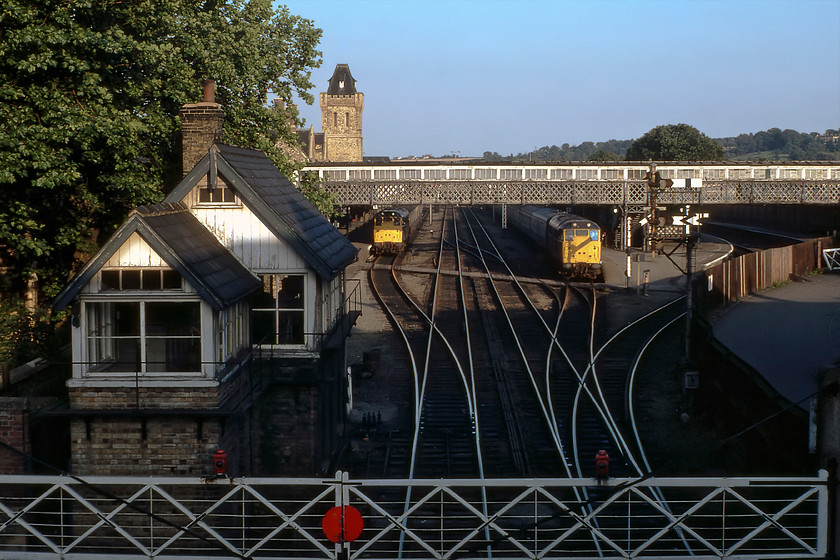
<point x="131" y="398"/>
<point x="285" y="444"/>
<point x="14" y="431"/>
<point x="165" y="446"/>
<point x="279" y="419"/>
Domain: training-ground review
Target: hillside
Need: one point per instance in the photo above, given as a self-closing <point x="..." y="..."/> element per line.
<point x="767" y="145"/>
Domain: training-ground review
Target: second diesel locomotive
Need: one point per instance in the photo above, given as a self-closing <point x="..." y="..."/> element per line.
<point x="574" y="242"/>
<point x="392" y="229"/>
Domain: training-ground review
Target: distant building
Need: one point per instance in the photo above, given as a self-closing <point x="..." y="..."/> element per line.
<point x="341" y="122"/>
<point x="214" y="320"/>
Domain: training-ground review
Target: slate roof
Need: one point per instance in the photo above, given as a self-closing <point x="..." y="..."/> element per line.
<point x="278" y="204"/>
<point x="341" y="75"/>
<point x="186" y="245"/>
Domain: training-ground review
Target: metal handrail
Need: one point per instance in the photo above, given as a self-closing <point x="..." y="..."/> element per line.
<point x="832" y="258"/>
<point x="171" y="517"/>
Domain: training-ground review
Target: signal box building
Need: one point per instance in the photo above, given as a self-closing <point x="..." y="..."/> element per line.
<point x="214" y="320"/>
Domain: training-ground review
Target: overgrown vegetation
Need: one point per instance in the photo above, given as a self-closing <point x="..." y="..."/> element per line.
<point x="27" y="334"/>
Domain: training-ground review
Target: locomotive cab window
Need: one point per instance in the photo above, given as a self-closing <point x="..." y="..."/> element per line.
<point x="594" y="234"/>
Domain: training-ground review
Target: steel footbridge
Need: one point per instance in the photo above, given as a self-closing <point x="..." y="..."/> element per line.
<point x="619" y="184"/>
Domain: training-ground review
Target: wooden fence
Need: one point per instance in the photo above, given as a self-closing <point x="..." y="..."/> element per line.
<point x="732" y="280"/>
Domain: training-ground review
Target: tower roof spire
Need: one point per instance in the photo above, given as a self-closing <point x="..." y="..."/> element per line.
<point x="342" y="82"/>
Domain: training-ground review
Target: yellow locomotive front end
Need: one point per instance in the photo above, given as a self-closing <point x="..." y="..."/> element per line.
<point x="389" y="231"/>
<point x="582" y="247"/>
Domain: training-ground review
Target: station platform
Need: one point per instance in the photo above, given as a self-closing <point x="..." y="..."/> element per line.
<point x="789" y="334"/>
<point x="663" y="273"/>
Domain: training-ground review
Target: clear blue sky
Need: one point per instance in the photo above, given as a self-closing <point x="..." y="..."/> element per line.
<point x="470" y="76"/>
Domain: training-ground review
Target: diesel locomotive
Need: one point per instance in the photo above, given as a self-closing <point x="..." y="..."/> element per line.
<point x="393" y="228"/>
<point x="573" y="242"/>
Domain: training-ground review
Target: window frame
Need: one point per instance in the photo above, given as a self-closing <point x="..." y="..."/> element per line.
<point x="301" y="339"/>
<point x="98" y="315"/>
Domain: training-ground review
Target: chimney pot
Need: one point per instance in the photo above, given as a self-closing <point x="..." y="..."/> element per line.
<point x="209" y="91"/>
<point x="201" y="127"/>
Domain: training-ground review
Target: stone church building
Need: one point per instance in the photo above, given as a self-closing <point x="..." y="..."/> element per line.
<point x="341" y="122"/>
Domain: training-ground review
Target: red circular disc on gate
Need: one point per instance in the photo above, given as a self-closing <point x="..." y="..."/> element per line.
<point x="342" y="524"/>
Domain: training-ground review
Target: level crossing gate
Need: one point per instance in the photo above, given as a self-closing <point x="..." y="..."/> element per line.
<point x="284" y="518"/>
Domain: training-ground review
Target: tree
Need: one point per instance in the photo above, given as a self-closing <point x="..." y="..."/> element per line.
<point x="603" y="155"/>
<point x="89" y="99"/>
<point x="675" y="142"/>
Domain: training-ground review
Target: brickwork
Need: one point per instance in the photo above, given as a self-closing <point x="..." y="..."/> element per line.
<point x="14" y="431"/>
<point x="146" y="442"/>
<point x="201" y="126"/>
<point x="341" y="119"/>
<point x="285" y="443"/>
<point x="143" y="446"/>
<point x="110" y="398"/>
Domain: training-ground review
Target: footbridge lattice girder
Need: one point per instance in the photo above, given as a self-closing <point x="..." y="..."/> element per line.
<point x="615" y="193"/>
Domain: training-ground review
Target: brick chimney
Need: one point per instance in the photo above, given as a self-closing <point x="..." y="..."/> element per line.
<point x="201" y="126"/>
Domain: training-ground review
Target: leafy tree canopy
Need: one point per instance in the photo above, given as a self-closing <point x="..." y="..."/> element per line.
<point x="584" y="152"/>
<point x="675" y="142"/>
<point x="89" y="97"/>
<point x="781" y="145"/>
<point x="604" y="155"/>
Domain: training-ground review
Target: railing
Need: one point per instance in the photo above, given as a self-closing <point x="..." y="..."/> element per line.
<point x="832" y="258"/>
<point x="601" y="183"/>
<point x="606" y="192"/>
<point x="478" y="170"/>
<point x="182" y="518"/>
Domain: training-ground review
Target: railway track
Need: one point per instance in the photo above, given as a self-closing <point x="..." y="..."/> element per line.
<point x="507" y="377"/>
<point x="443" y="439"/>
<point x="516" y="374"/>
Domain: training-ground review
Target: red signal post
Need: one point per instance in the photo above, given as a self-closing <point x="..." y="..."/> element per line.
<point x="220" y="463"/>
<point x="602" y="465"/>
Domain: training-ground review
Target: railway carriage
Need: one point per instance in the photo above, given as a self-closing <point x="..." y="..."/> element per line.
<point x="392" y="229"/>
<point x="574" y="242"/>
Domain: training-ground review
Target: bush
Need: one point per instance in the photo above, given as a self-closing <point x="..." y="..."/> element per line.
<point x="25" y="334"/>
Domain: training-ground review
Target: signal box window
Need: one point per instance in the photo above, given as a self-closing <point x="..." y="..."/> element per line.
<point x="139" y="279"/>
<point x="144" y="336"/>
<point x="218" y="195"/>
<point x="278" y="310"/>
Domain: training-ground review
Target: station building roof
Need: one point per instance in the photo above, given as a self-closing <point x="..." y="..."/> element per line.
<point x="278" y="203"/>
<point x="183" y="243"/>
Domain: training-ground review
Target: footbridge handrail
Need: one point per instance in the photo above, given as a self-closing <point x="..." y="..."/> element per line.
<point x="174" y="517"/>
